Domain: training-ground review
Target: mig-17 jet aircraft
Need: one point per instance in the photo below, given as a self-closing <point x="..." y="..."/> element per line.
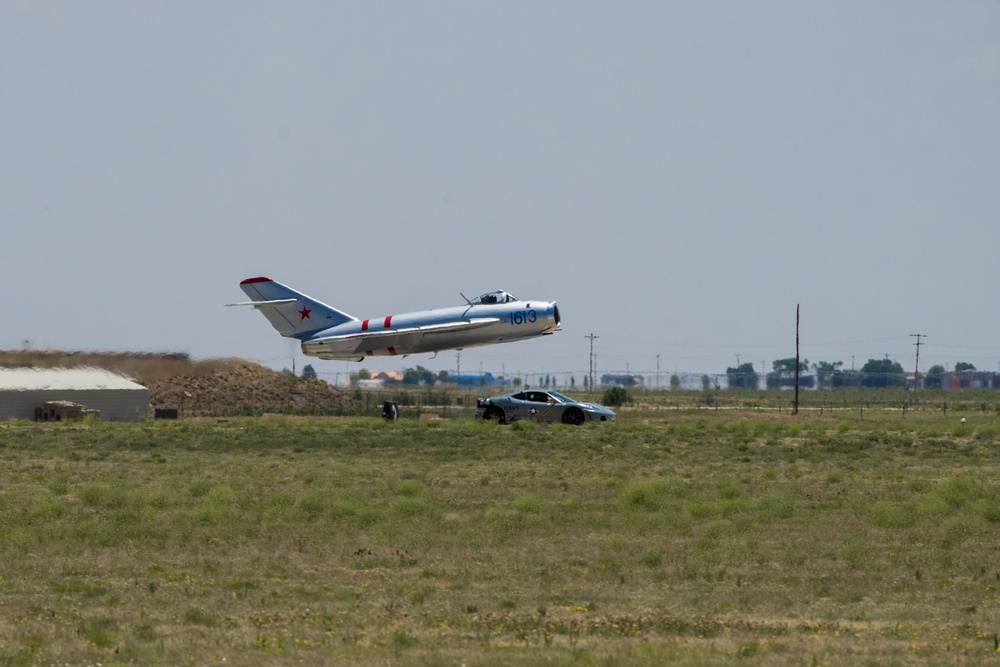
<point x="327" y="333"/>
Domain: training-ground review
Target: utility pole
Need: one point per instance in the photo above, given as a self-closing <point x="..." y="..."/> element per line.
<point x="657" y="371"/>
<point x="591" y="337"/>
<point x="796" y="410"/>
<point x="458" y="364"/>
<point x="916" y="367"/>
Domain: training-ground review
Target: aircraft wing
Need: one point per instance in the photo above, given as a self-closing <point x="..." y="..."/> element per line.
<point x="466" y="325"/>
<point x="401" y="338"/>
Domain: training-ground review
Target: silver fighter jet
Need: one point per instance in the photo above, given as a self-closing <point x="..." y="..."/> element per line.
<point x="327" y="333"/>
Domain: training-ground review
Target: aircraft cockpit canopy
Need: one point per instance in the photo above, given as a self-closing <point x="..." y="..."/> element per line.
<point x="494" y="297"/>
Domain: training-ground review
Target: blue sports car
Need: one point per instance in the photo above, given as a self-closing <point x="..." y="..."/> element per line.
<point x="540" y="405"/>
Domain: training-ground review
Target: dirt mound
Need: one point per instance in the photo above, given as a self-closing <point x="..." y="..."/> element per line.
<point x="211" y="387"/>
<point x="235" y="387"/>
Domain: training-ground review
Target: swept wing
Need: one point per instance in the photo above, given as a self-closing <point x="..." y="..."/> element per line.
<point x="403" y="338"/>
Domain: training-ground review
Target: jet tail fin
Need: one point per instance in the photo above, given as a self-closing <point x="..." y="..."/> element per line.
<point x="292" y="313"/>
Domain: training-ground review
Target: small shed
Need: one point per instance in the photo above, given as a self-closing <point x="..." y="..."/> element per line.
<point x="57" y="411"/>
<point x="116" y="397"/>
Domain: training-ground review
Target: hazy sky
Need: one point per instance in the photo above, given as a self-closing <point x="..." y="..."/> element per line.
<point x="677" y="175"/>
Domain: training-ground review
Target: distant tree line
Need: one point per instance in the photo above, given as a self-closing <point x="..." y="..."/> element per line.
<point x="876" y="373"/>
<point x="412" y="377"/>
<point x="934" y="379"/>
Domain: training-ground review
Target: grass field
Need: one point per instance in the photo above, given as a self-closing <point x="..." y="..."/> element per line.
<point x="700" y="537"/>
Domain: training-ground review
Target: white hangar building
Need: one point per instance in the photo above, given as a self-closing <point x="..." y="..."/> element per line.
<point x="117" y="397"/>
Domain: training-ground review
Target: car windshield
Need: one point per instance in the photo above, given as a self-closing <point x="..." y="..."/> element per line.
<point x="494" y="297"/>
<point x="559" y="397"/>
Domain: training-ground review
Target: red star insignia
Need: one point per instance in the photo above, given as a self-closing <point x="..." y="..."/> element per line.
<point x="305" y="313"/>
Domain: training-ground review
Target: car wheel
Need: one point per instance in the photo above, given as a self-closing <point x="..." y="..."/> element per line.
<point x="493" y="414"/>
<point x="573" y="416"/>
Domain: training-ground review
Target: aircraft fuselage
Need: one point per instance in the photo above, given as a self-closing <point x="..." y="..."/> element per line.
<point x="435" y="330"/>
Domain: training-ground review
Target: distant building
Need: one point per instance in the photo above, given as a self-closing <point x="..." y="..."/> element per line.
<point x="971" y="380"/>
<point x="474" y="380"/>
<point x="622" y="380"/>
<point x="115" y="396"/>
<point x="381" y="380"/>
<point x="786" y="380"/>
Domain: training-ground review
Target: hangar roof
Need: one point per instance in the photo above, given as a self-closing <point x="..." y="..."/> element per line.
<point x="37" y="379"/>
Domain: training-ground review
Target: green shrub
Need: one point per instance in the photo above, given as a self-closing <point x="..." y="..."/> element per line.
<point x="615" y="396"/>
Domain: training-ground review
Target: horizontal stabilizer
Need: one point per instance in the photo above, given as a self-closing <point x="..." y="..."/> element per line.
<point x="260" y="304"/>
<point x="292" y="313"/>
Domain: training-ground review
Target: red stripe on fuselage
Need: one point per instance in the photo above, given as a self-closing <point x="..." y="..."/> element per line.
<point x="387" y="320"/>
<point x="364" y="325"/>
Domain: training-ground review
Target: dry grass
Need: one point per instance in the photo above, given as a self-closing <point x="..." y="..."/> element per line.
<point x="702" y="541"/>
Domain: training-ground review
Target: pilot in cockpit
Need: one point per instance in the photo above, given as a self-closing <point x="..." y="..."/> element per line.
<point x="495" y="297"/>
